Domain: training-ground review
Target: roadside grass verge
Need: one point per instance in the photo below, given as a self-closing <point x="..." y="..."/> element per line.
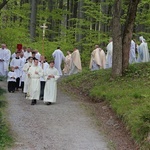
<point x="5" y="136"/>
<point x="128" y="96"/>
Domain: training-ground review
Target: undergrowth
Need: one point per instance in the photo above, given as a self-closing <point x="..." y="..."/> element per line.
<point x="129" y="96"/>
<point x="5" y="138"/>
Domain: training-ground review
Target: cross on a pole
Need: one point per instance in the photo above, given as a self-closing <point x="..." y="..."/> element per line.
<point x="44" y="27"/>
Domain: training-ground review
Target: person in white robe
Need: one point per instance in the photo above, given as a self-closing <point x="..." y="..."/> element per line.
<point x="37" y="55"/>
<point x="143" y="52"/>
<point x="14" y="54"/>
<point x="34" y="73"/>
<point x="4" y="60"/>
<point x="24" y="49"/>
<point x="44" y="65"/>
<point x="67" y="64"/>
<point x="23" y="59"/>
<point x="109" y="54"/>
<point x="95" y="61"/>
<point x="28" y="53"/>
<point x="58" y="58"/>
<point x="102" y="58"/>
<point x="11" y="80"/>
<point x="51" y="77"/>
<point x="7" y="58"/>
<point x="21" y="85"/>
<point x="26" y="79"/>
<point x="132" y="53"/>
<point x="17" y="64"/>
<point x="75" y="62"/>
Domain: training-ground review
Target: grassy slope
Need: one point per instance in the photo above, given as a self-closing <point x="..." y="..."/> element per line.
<point x="5" y="137"/>
<point x="129" y="96"/>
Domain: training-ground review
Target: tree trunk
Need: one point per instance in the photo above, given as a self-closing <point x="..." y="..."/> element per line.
<point x="128" y="31"/>
<point x="61" y="22"/>
<point x="3" y="3"/>
<point x="80" y="16"/>
<point x="50" y="19"/>
<point x="68" y="16"/>
<point x="117" y="40"/>
<point x="33" y="19"/>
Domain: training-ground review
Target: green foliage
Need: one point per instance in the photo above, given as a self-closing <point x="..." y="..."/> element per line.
<point x="5" y="138"/>
<point x="2" y="91"/>
<point x="94" y="27"/>
<point x="128" y="96"/>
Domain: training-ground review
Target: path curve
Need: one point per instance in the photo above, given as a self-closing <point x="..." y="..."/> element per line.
<point x="61" y="126"/>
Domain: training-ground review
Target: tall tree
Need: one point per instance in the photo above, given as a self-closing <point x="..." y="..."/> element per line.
<point x="3" y="3"/>
<point x="80" y="17"/>
<point x="122" y="42"/>
<point x="117" y="40"/>
<point x="50" y="19"/>
<point x="128" y="32"/>
<point x="33" y="19"/>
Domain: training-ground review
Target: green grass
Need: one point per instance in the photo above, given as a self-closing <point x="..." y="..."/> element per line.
<point x="2" y="78"/>
<point x="129" y="96"/>
<point x="5" y="136"/>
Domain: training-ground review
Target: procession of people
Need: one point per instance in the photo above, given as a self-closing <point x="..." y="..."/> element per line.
<point x="29" y="70"/>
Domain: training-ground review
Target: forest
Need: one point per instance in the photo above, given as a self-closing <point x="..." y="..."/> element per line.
<point x="82" y="24"/>
<point x="71" y="23"/>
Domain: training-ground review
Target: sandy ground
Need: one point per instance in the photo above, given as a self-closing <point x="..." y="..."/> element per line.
<point x="62" y="126"/>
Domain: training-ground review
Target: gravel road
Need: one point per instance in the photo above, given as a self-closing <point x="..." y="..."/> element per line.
<point x="62" y="126"/>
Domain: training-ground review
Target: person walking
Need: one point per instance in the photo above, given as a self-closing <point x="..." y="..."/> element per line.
<point x="34" y="73"/>
<point x="50" y="90"/>
<point x="58" y="58"/>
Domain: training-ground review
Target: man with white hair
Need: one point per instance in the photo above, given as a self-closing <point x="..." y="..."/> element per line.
<point x="143" y="53"/>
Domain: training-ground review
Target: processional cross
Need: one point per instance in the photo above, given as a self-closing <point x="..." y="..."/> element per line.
<point x="44" y="28"/>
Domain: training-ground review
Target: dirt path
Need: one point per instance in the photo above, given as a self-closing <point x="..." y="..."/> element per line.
<point x="61" y="126"/>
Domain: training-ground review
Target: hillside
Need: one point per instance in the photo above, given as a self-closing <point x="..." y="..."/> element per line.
<point x="127" y="96"/>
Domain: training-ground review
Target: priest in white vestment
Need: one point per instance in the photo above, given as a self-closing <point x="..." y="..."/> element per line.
<point x="58" y="58"/>
<point x="26" y="79"/>
<point x="4" y="60"/>
<point x="143" y="47"/>
<point x="67" y="64"/>
<point x="143" y="52"/>
<point x="75" y="62"/>
<point x="102" y="58"/>
<point x="37" y="55"/>
<point x="7" y="58"/>
<point x="28" y="53"/>
<point x="50" y="90"/>
<point x="34" y="73"/>
<point x="132" y="53"/>
<point x="95" y="62"/>
<point x="109" y="54"/>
